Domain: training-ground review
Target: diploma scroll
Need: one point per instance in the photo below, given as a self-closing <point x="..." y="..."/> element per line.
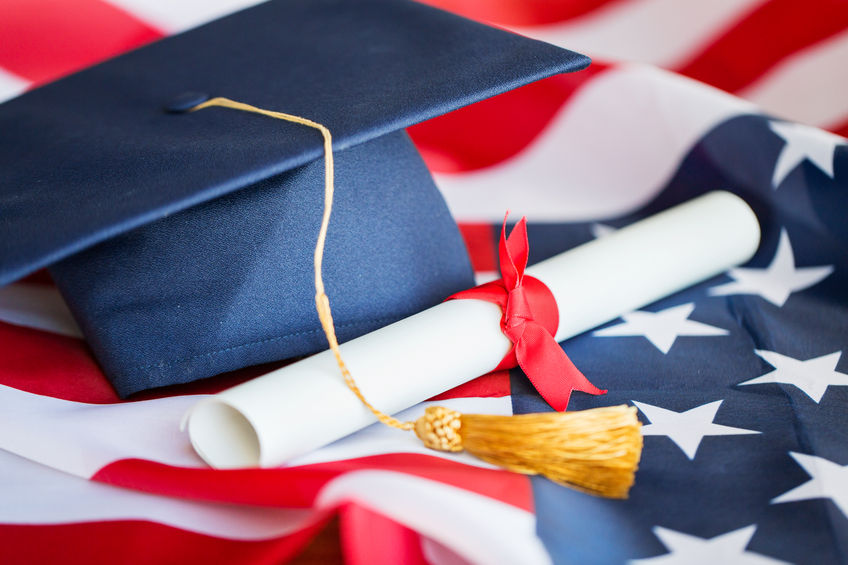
<point x="305" y="405"/>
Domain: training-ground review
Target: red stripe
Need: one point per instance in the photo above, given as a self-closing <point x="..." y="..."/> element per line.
<point x="520" y="12"/>
<point x="38" y="277"/>
<point x="136" y="542"/>
<point x="297" y="487"/>
<point x="496" y="129"/>
<point x="212" y="385"/>
<point x="360" y="527"/>
<point x="70" y="372"/>
<point x="51" y="365"/>
<point x="765" y="37"/>
<point x="480" y="242"/>
<point x="63" y="367"/>
<point x="47" y="39"/>
<point x="840" y="129"/>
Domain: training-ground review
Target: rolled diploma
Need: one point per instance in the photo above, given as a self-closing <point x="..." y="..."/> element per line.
<point x="305" y="405"/>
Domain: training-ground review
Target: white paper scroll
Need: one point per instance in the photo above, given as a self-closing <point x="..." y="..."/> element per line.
<point x="306" y="405"/>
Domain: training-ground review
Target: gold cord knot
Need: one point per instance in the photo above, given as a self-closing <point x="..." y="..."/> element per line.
<point x="439" y="429"/>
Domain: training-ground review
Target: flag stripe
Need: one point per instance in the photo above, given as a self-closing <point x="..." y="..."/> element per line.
<point x="11" y="85"/>
<point x="764" y="38"/>
<point x="574" y="171"/>
<point x="841" y="128"/>
<point x="272" y="487"/>
<point x="39" y="495"/>
<point x="71" y="373"/>
<point x="506" y="535"/>
<point x="807" y="86"/>
<point x="660" y="32"/>
<point x="173" y="17"/>
<point x="399" y="544"/>
<point x="587" y="146"/>
<point x="75" y="437"/>
<point x="522" y="12"/>
<point x="44" y="40"/>
<point x="37" y="306"/>
<point x="482" y="135"/>
<point x="138" y="542"/>
<point x="68" y="372"/>
<point x="480" y="241"/>
<point x="81" y="438"/>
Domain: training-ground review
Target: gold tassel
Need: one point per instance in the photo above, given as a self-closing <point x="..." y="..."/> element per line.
<point x="596" y="451"/>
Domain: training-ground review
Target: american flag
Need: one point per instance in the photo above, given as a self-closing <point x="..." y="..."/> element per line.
<point x="740" y="381"/>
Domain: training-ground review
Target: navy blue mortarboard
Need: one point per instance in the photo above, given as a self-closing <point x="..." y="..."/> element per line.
<point x="183" y="242"/>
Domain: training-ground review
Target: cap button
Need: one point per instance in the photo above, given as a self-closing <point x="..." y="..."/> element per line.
<point x="185" y="102"/>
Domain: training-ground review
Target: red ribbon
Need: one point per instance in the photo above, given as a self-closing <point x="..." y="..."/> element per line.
<point x="530" y="320"/>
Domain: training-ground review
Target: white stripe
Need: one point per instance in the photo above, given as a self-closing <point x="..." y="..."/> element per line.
<point x="35" y="494"/>
<point x="610" y="150"/>
<point x="436" y="553"/>
<point x="173" y="16"/>
<point x="809" y="86"/>
<point x="480" y="529"/>
<point x="661" y="32"/>
<point x="81" y="438"/>
<point x="11" y="85"/>
<point x="37" y="306"/>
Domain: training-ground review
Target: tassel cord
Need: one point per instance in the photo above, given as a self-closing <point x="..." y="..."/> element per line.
<point x="596" y="450"/>
<point x="322" y="301"/>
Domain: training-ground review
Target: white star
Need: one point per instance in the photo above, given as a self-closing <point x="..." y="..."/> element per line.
<point x="777" y="281"/>
<point x="692" y="550"/>
<point x="812" y="376"/>
<point x="688" y="428"/>
<point x="829" y="480"/>
<point x="661" y="328"/>
<point x="803" y="142"/>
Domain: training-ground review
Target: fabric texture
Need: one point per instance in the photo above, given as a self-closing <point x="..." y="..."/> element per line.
<point x="229" y="283"/>
<point x="362" y="68"/>
<point x="740" y="381"/>
<point x="193" y="293"/>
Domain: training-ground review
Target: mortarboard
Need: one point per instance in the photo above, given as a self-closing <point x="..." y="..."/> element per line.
<point x="183" y="242"/>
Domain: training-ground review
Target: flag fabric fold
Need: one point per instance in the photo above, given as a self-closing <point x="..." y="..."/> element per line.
<point x="740" y="381"/>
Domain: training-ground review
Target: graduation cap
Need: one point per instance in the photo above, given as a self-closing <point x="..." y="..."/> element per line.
<point x="183" y="242"/>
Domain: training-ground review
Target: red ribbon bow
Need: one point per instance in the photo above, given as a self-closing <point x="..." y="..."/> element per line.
<point x="530" y="320"/>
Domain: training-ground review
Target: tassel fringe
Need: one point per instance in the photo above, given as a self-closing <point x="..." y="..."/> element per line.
<point x="596" y="451"/>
